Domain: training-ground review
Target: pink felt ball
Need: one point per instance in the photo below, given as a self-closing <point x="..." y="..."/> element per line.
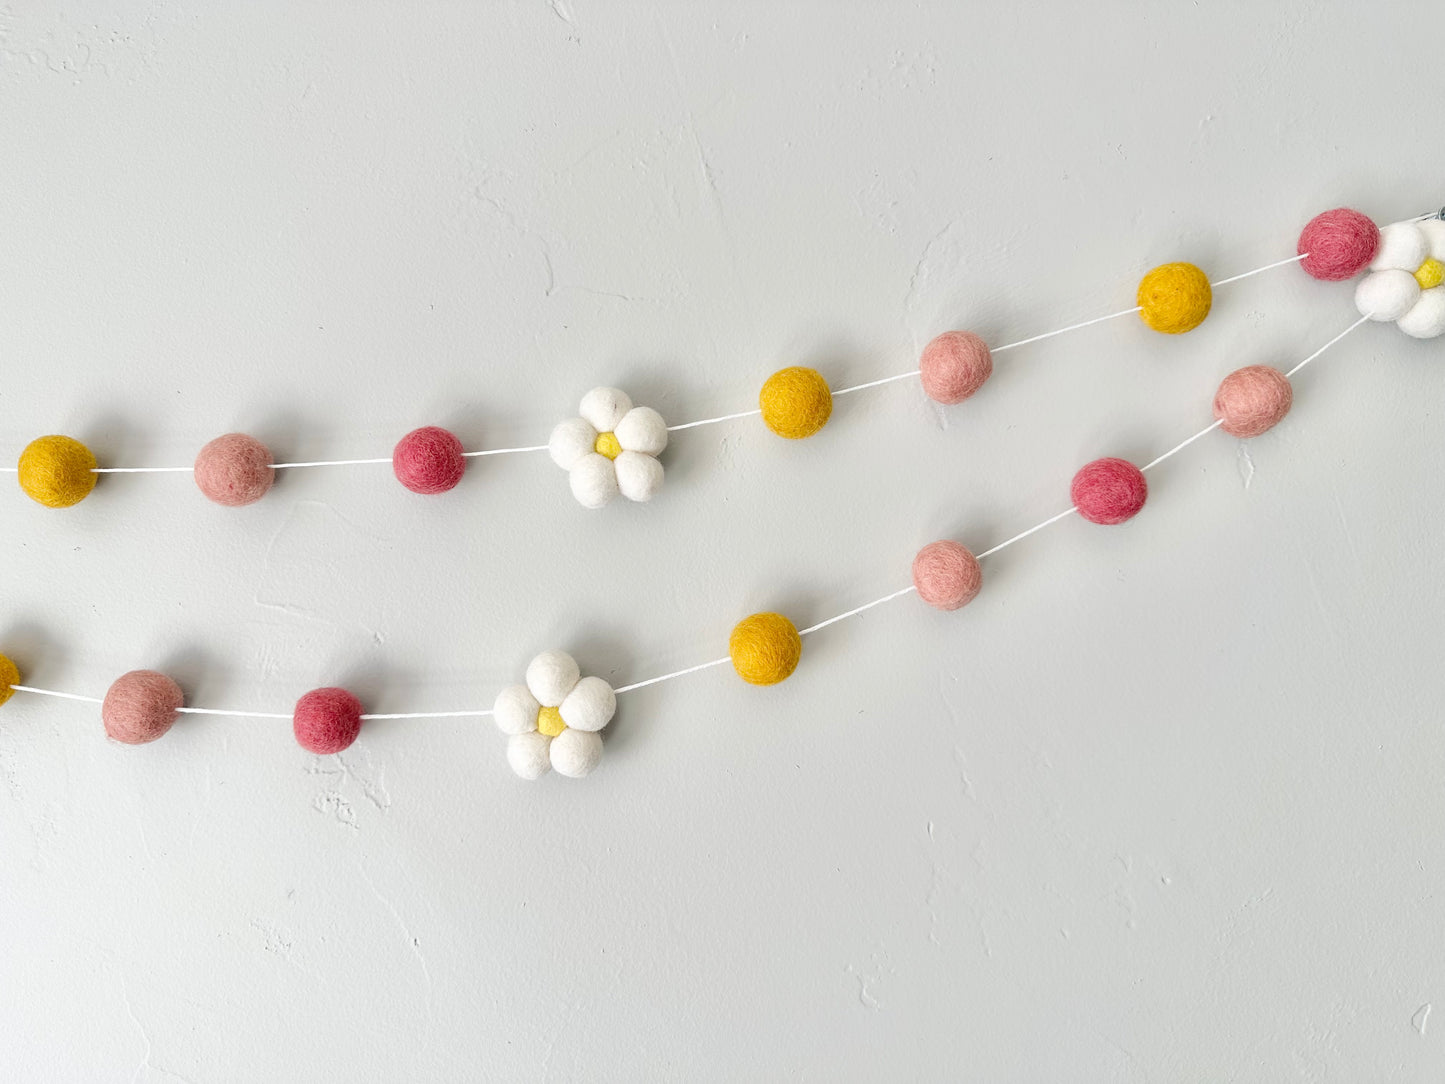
<point x="954" y="366"/>
<point x="140" y="706"/>
<point x="327" y="720"/>
<point x="1341" y="243"/>
<point x="1252" y="400"/>
<point x="428" y="460"/>
<point x="947" y="575"/>
<point x="1109" y="491"/>
<point x="234" y="470"/>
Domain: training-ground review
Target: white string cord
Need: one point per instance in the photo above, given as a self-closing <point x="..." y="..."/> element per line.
<point x="706" y="421"/>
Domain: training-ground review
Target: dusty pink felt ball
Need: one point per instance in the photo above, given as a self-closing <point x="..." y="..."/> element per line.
<point x="947" y="575"/>
<point x="1252" y="400"/>
<point x="1341" y="243"/>
<point x="428" y="460"/>
<point x="954" y="366"/>
<point x="327" y="720"/>
<point x="140" y="706"/>
<point x="235" y="469"/>
<point x="1109" y="491"/>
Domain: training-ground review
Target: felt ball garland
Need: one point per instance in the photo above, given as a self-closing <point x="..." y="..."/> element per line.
<point x="553" y="721"/>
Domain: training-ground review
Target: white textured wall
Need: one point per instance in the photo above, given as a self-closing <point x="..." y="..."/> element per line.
<point x="1164" y="804"/>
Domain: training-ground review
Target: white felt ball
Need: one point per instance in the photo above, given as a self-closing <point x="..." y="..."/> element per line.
<point x="604" y="408"/>
<point x="516" y="710"/>
<point x="594" y="480"/>
<point x="642" y="430"/>
<point x="1402" y="246"/>
<point x="638" y="476"/>
<point x="570" y="441"/>
<point x="1434" y="231"/>
<point x="527" y="754"/>
<point x="1386" y="295"/>
<point x="576" y="752"/>
<point x="1426" y="319"/>
<point x="589" y="706"/>
<point x="551" y="676"/>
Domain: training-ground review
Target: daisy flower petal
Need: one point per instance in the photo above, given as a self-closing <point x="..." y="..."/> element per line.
<point x="1426" y="318"/>
<point x="571" y="441"/>
<point x="638" y="476"/>
<point x="1403" y="246"/>
<point x="593" y="480"/>
<point x="604" y="408"/>
<point x="642" y="430"/>
<point x="590" y="705"/>
<point x="551" y="676"/>
<point x="528" y="754"/>
<point x="516" y="710"/>
<point x="575" y="753"/>
<point x="1386" y="295"/>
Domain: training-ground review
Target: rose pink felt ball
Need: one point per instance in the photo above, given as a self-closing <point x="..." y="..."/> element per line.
<point x="1252" y="400"/>
<point x="234" y="470"/>
<point x="954" y="366"/>
<point x="140" y="706"/>
<point x="1109" y="491"/>
<point x="947" y="575"/>
<point x="428" y="460"/>
<point x="1340" y="244"/>
<point x="327" y="720"/>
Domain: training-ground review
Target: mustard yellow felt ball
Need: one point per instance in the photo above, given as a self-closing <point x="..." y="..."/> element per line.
<point x="1174" y="298"/>
<point x="9" y="675"/>
<point x="796" y="402"/>
<point x="57" y="471"/>
<point x="765" y="648"/>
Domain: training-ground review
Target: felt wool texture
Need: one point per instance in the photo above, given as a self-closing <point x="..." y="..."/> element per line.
<point x="552" y="720"/>
<point x="326" y="720"/>
<point x="1174" y="298"/>
<point x="1402" y="244"/>
<point x="57" y="471"/>
<point x="1109" y="491"/>
<point x="234" y="470"/>
<point x="1405" y="279"/>
<point x="796" y="402"/>
<point x="611" y="448"/>
<point x="9" y="675"/>
<point x="428" y="460"/>
<point x="140" y="707"/>
<point x="765" y="648"/>
<point x="946" y="575"/>
<point x="1387" y="295"/>
<point x="1426" y="319"/>
<point x="954" y="366"/>
<point x="1430" y="274"/>
<point x="1338" y="244"/>
<point x="1252" y="400"/>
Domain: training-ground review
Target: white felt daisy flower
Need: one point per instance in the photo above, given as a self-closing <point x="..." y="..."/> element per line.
<point x="1404" y="283"/>
<point x="612" y="448"/>
<point x="553" y="720"/>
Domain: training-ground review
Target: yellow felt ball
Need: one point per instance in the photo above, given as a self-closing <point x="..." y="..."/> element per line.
<point x="1174" y="298"/>
<point x="765" y="648"/>
<point x="1430" y="274"/>
<point x="796" y="402"/>
<point x="57" y="471"/>
<point x="9" y="675"/>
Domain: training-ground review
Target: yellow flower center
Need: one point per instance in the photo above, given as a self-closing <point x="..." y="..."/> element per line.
<point x="549" y="722"/>
<point x="607" y="444"/>
<point x="1429" y="274"/>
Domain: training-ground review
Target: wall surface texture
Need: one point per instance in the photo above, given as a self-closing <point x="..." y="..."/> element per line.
<point x="1164" y="804"/>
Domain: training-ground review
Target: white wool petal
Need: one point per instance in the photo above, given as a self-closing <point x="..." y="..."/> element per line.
<point x="593" y="480"/>
<point x="642" y="430"/>
<point x="605" y="407"/>
<point x="638" y="476"/>
<point x="1434" y="231"/>
<point x="590" y="705"/>
<point x="1426" y="318"/>
<point x="1386" y="295"/>
<point x="551" y="676"/>
<point x="576" y="752"/>
<point x="1403" y="246"/>
<point x="528" y="754"/>
<point x="570" y="441"/>
<point x="516" y="710"/>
